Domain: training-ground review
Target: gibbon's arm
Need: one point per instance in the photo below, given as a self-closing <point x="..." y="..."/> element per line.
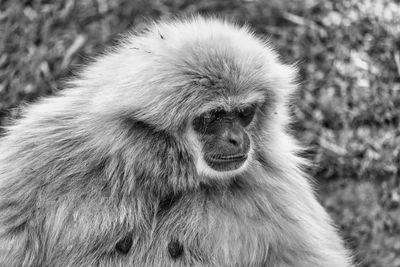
<point x="54" y="184"/>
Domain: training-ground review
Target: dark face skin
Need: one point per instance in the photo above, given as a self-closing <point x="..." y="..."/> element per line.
<point x="224" y="137"/>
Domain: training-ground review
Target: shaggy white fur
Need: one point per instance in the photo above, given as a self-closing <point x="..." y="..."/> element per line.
<point x="110" y="173"/>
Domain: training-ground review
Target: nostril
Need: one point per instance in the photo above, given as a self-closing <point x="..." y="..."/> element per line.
<point x="233" y="141"/>
<point x="233" y="137"/>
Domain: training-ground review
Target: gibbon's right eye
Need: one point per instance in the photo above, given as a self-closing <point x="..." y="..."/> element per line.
<point x="213" y="115"/>
<point x="207" y="119"/>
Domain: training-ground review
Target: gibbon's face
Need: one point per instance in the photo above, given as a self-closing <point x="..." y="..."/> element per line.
<point x="224" y="138"/>
<point x="213" y="84"/>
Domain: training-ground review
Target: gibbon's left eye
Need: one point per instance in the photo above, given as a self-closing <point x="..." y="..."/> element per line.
<point x="246" y="114"/>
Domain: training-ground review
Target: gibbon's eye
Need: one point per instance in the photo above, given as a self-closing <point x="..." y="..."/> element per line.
<point x="246" y="114"/>
<point x="207" y="120"/>
<point x="208" y="117"/>
<point x="213" y="115"/>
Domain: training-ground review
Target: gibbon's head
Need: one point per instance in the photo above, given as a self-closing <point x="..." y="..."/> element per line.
<point x="212" y="83"/>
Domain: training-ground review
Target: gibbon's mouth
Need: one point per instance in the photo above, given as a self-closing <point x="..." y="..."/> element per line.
<point x="226" y="158"/>
<point x="225" y="162"/>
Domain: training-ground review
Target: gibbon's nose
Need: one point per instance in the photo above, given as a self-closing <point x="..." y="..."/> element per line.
<point x="233" y="138"/>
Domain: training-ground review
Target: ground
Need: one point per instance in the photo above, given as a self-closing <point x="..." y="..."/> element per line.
<point x="347" y="111"/>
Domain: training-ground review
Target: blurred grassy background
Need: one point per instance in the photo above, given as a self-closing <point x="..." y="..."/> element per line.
<point x="349" y="104"/>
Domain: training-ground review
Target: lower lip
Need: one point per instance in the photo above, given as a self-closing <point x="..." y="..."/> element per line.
<point x="226" y="164"/>
<point x="229" y="159"/>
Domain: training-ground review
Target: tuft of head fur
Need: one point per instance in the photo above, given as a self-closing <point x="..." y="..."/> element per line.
<point x="158" y="78"/>
<point x="107" y="172"/>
